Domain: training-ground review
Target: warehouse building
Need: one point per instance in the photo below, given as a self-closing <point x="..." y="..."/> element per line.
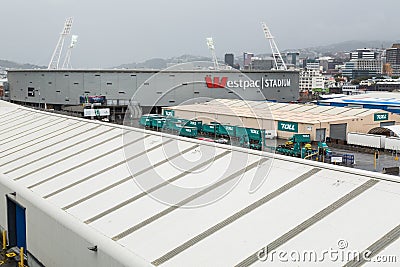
<point x="69" y="199"/>
<point x="321" y="122"/>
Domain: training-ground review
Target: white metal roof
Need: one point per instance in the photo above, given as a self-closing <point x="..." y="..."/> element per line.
<point x="372" y="98"/>
<point x="394" y="128"/>
<point x="79" y="167"/>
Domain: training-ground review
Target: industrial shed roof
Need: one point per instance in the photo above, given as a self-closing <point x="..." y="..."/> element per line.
<point x="278" y="111"/>
<point x="371" y="98"/>
<point x="79" y="167"/>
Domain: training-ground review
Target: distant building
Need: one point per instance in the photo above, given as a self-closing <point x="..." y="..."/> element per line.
<point x="262" y="63"/>
<point x="313" y="65"/>
<point x="317" y="83"/>
<point x="3" y="83"/>
<point x="229" y="59"/>
<point x="363" y="63"/>
<point x="310" y="78"/>
<point x="247" y="59"/>
<point x="334" y="65"/>
<point x="328" y="64"/>
<point x="293" y="58"/>
<point x="393" y="58"/>
<point x="365" y="54"/>
<point x="348" y="68"/>
<point x="350" y="89"/>
<point x="310" y="64"/>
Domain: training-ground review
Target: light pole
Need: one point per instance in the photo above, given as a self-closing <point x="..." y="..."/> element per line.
<point x="320" y="137"/>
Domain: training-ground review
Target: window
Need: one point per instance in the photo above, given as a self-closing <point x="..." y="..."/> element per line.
<point x="121" y="92"/>
<point x="76" y="83"/>
<point x="97" y="75"/>
<point x="133" y="75"/>
<point x="159" y="93"/>
<point x="146" y="83"/>
<point x="172" y="101"/>
<point x="66" y="75"/>
<point x="109" y="83"/>
<point x="196" y="93"/>
<point x="31" y="91"/>
<point x="87" y="92"/>
<point x="50" y="83"/>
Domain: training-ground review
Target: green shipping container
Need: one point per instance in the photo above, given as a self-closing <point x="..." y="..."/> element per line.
<point x="255" y="134"/>
<point x="226" y="130"/>
<point x="188" y="131"/>
<point x="157" y="123"/>
<point x="241" y="132"/>
<point x="176" y="126"/>
<point x="195" y="123"/>
<point x="145" y="121"/>
<point x="301" y="138"/>
<point x="209" y="129"/>
<point x="170" y="123"/>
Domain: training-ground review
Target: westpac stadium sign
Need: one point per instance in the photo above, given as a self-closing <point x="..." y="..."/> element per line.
<point x="223" y="82"/>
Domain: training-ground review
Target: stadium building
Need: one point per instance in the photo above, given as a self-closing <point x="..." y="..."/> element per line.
<point x="152" y="89"/>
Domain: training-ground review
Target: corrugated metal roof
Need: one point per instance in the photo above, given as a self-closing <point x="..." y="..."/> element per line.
<point x="85" y="169"/>
<point x="371" y="98"/>
<point x="278" y="111"/>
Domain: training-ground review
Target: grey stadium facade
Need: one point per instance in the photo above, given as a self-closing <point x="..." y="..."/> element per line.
<point x="152" y="88"/>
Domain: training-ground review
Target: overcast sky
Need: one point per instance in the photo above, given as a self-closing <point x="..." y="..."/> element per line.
<point x="124" y="31"/>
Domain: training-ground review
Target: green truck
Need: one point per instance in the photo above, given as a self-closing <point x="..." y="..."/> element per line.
<point x="297" y="146"/>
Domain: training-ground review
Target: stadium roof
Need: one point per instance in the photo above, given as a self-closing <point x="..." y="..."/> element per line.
<point x="82" y="169"/>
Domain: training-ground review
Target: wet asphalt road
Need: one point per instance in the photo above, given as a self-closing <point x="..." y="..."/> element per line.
<point x="363" y="161"/>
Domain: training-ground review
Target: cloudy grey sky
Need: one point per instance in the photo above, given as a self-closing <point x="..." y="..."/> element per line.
<point x="125" y="31"/>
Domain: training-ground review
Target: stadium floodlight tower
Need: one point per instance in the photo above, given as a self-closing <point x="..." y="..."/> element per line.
<point x="210" y="44"/>
<point x="55" y="58"/>
<point x="67" y="60"/>
<point x="279" y="63"/>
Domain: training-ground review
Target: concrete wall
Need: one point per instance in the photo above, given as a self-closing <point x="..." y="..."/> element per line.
<point x="58" y="239"/>
<point x="164" y="89"/>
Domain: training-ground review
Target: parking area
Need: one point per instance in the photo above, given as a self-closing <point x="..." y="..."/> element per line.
<point x="363" y="160"/>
